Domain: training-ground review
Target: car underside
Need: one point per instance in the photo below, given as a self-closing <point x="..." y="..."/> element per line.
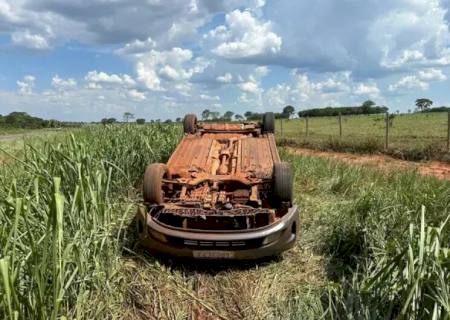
<point x="223" y="178"/>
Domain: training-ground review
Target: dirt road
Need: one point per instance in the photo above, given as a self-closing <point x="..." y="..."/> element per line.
<point x="438" y="169"/>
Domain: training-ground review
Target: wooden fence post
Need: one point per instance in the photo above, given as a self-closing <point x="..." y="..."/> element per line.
<point x="281" y="126"/>
<point x="340" y="125"/>
<point x="386" y="144"/>
<point x="306" y="125"/>
<point x="448" y="132"/>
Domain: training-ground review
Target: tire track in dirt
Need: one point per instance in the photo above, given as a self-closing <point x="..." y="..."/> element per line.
<point x="440" y="170"/>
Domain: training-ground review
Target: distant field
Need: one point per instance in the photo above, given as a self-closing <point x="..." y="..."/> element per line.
<point x="411" y="135"/>
<point x="12" y="140"/>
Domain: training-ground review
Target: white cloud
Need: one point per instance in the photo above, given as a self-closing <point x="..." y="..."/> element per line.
<point x="245" y="37"/>
<point x="324" y="90"/>
<point x="28" y="40"/>
<point x="279" y="95"/>
<point x="226" y="78"/>
<point x="94" y="86"/>
<point x="252" y="84"/>
<point x="63" y="84"/>
<point x="147" y="74"/>
<point x="137" y="47"/>
<point x="372" y="38"/>
<point x="364" y="89"/>
<point x="113" y="21"/>
<point x="175" y="65"/>
<point x="137" y="95"/>
<point x="432" y="75"/>
<point x="261" y="71"/>
<point x="336" y="83"/>
<point x="249" y="86"/>
<point x="405" y="57"/>
<point x="207" y="97"/>
<point x="419" y="81"/>
<point x="96" y="79"/>
<point x="26" y="85"/>
<point x="409" y="82"/>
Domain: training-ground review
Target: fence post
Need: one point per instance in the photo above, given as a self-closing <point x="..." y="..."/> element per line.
<point x="306" y="118"/>
<point x="281" y="126"/>
<point x="386" y="144"/>
<point x="340" y="125"/>
<point x="448" y="132"/>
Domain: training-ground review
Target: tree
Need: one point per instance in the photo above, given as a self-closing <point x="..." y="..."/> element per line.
<point x="238" y="117"/>
<point x="140" y="121"/>
<point x="215" y="115"/>
<point x="423" y="104"/>
<point x="112" y="120"/>
<point x="335" y="111"/>
<point x="228" y="115"/>
<point x="206" y="114"/>
<point x="178" y="120"/>
<point x="248" y="114"/>
<point x="366" y="106"/>
<point x="104" y="121"/>
<point x="288" y="111"/>
<point x="127" y="116"/>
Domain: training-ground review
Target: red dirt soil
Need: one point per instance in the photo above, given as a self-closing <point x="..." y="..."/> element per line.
<point x="440" y="170"/>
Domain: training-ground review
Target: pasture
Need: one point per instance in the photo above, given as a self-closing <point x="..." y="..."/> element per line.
<point x="417" y="136"/>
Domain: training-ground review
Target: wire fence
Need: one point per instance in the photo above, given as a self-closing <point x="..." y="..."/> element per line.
<point x="382" y="131"/>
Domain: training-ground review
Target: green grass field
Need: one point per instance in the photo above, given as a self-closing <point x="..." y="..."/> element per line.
<point x="12" y="142"/>
<point x="412" y="136"/>
<point x="372" y="245"/>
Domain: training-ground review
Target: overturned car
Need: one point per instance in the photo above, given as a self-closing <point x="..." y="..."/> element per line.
<point x="223" y="194"/>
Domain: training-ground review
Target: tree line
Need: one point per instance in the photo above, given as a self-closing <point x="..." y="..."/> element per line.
<point x="25" y="121"/>
<point x="367" y="107"/>
<point x="208" y="115"/>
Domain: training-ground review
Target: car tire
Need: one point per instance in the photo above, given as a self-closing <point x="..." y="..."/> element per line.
<point x="152" y="186"/>
<point x="283" y="182"/>
<point x="190" y="123"/>
<point x="268" y="122"/>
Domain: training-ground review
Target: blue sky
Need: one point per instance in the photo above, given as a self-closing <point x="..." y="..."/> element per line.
<point x="85" y="60"/>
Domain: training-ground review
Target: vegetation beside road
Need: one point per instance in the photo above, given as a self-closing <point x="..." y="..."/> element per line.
<point x="67" y="245"/>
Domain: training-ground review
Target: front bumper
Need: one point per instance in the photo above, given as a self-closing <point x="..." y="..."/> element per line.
<point x="237" y="245"/>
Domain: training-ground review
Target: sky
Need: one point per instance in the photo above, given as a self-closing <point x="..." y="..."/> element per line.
<point x="84" y="60"/>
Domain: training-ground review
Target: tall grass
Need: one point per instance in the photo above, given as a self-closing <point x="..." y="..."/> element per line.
<point x="367" y="248"/>
<point x="386" y="237"/>
<point x="63" y="209"/>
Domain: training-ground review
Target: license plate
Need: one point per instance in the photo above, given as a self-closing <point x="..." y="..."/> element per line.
<point x="213" y="254"/>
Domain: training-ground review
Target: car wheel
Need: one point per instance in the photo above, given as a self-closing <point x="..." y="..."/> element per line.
<point x="152" y="187"/>
<point x="190" y="123"/>
<point x="268" y="123"/>
<point x="283" y="182"/>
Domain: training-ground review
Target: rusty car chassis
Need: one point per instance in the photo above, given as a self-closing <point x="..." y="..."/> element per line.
<point x="224" y="193"/>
